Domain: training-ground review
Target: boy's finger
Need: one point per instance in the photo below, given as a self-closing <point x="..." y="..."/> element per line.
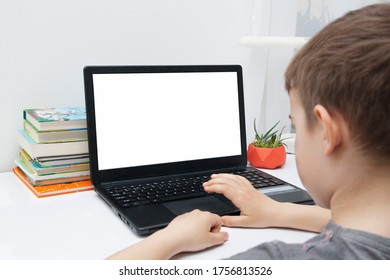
<point x="228" y="192"/>
<point x="219" y="237"/>
<point x="231" y="180"/>
<point x="235" y="221"/>
<point x="227" y="177"/>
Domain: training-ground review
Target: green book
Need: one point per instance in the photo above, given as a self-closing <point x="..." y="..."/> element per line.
<point x="52" y="136"/>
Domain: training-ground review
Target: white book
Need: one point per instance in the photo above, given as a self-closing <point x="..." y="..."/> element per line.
<point x="36" y="150"/>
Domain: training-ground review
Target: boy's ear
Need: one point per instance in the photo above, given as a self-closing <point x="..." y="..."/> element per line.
<point x="331" y="128"/>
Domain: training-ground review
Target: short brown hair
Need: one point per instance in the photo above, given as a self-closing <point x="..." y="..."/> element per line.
<point x="346" y="68"/>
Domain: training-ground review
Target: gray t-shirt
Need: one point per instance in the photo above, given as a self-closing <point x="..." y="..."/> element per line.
<point x="333" y="243"/>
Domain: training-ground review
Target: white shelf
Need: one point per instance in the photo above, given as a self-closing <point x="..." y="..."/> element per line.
<point x="273" y="41"/>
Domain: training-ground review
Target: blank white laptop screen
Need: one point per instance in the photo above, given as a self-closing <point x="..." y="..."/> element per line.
<point x="154" y="118"/>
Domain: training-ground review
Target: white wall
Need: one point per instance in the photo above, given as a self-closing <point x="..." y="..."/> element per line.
<point x="44" y="45"/>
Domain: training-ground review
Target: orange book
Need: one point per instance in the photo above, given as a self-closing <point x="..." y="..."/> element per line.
<point x="56" y="189"/>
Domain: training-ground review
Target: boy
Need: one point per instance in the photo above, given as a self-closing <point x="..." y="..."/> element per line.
<point x="339" y="88"/>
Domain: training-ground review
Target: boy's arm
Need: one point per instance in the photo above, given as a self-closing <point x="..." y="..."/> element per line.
<point x="258" y="210"/>
<point x="303" y="217"/>
<point x="153" y="247"/>
<point x="193" y="231"/>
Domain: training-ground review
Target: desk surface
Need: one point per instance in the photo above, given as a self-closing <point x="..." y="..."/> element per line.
<point x="81" y="226"/>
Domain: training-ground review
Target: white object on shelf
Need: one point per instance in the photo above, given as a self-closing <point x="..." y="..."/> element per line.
<point x="273" y="41"/>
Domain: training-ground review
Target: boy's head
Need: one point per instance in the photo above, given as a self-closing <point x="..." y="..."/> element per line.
<point x="346" y="69"/>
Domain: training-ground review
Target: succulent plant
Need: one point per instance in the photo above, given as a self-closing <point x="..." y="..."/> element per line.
<point x="271" y="139"/>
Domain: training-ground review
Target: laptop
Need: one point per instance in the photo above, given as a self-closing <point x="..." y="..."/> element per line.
<point x="156" y="133"/>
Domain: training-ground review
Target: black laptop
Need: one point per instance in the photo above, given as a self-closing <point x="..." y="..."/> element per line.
<point x="156" y="133"/>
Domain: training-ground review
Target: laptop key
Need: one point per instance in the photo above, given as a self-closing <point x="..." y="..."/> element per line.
<point x="136" y="203"/>
<point x="146" y="202"/>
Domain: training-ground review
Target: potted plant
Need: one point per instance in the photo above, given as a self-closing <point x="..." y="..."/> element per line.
<point x="267" y="150"/>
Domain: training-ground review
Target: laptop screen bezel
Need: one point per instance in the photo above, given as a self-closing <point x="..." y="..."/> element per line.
<point x="165" y="169"/>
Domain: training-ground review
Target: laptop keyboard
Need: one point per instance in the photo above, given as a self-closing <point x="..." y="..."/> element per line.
<point x="183" y="187"/>
<point x="162" y="191"/>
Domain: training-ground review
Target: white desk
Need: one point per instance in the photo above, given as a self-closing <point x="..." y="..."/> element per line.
<point x="81" y="226"/>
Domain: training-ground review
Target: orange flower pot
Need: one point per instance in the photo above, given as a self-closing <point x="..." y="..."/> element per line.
<point x="269" y="158"/>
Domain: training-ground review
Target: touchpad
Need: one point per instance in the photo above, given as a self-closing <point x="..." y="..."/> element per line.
<point x="206" y="203"/>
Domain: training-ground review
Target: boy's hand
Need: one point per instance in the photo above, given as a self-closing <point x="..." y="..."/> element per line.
<point x="257" y="210"/>
<point x="194" y="231"/>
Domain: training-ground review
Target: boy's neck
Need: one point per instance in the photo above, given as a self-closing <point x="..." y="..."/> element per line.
<point x="362" y="201"/>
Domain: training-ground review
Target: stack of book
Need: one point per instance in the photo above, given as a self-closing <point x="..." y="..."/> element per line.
<point x="53" y="157"/>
